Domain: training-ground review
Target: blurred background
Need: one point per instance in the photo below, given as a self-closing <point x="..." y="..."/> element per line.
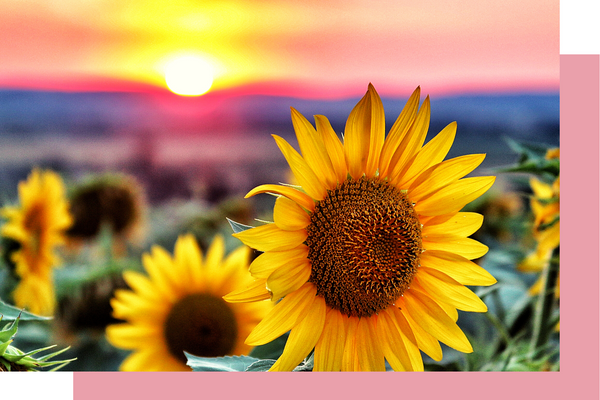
<point x="183" y="96"/>
<point x="83" y="87"/>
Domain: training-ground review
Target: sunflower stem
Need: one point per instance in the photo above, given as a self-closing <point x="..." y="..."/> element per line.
<point x="543" y="306"/>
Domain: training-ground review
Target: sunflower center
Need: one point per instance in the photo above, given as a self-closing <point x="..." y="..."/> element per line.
<point x="201" y="324"/>
<point x="364" y="244"/>
<point x="34" y="222"/>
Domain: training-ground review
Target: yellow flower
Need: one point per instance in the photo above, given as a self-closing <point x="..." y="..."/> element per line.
<point x="38" y="225"/>
<point x="370" y="256"/>
<point x="179" y="307"/>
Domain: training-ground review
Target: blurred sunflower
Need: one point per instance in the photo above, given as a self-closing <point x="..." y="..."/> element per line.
<point x="38" y="225"/>
<point x="370" y="255"/>
<point x="112" y="201"/>
<point x="179" y="307"/>
<point x="545" y="205"/>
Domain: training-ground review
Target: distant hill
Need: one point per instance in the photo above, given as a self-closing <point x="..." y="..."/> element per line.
<point x="37" y="112"/>
<point x="221" y="142"/>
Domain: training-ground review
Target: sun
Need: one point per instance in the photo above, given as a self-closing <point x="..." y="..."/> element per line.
<point x="189" y="75"/>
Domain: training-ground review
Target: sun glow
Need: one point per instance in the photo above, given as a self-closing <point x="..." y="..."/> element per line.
<point x="189" y="75"/>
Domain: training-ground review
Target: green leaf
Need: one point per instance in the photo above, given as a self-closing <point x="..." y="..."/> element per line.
<point x="260" y="366"/>
<point x="11" y="313"/>
<point x="532" y="159"/>
<point x="220" y="364"/>
<point x="237" y="227"/>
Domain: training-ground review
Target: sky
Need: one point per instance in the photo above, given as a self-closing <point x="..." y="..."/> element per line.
<point x="310" y="47"/>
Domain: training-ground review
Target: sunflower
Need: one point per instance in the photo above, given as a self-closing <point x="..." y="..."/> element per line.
<point x="370" y="255"/>
<point x="37" y="225"/>
<point x="110" y="201"/>
<point x="179" y="307"/>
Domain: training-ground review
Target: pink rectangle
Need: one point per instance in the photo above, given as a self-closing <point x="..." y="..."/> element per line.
<point x="579" y="124"/>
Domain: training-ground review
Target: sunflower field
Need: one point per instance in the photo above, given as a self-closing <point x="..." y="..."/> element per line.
<point x="383" y="250"/>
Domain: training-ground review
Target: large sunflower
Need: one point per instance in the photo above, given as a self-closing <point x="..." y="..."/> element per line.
<point x="179" y="307"/>
<point x="370" y="255"/>
<point x="38" y="225"/>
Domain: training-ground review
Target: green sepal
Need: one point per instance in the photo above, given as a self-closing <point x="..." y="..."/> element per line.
<point x="4" y="347"/>
<point x="8" y="332"/>
<point x="237" y="227"/>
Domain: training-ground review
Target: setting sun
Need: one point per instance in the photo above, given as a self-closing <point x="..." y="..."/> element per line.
<point x="189" y="75"/>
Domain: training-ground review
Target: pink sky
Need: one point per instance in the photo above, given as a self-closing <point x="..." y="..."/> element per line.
<point x="327" y="48"/>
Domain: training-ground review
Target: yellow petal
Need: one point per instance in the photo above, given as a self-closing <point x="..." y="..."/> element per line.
<point x="269" y="237"/>
<point x="448" y="309"/>
<point x="440" y="286"/>
<point x="350" y="358"/>
<point x="128" y="305"/>
<point x="431" y="154"/>
<point x="233" y="263"/>
<point x="364" y="135"/>
<point x="266" y="263"/>
<point x="411" y="143"/>
<point x="443" y="174"/>
<point x="454" y="196"/>
<point x="215" y="253"/>
<point x="302" y="172"/>
<point x="335" y="148"/>
<point x="329" y="349"/>
<point x="140" y="284"/>
<point x="35" y="294"/>
<point x="408" y="337"/>
<point x="457" y="267"/>
<point x="288" y="278"/>
<point x="549" y="238"/>
<point x="398" y="131"/>
<point x="427" y="343"/>
<point x="256" y="291"/>
<point x="466" y="247"/>
<point x="158" y="268"/>
<point x="313" y="149"/>
<point x="289" y="216"/>
<point x="303" y="337"/>
<point x="392" y="344"/>
<point x="283" y="316"/>
<point x="141" y="361"/>
<point x="299" y="197"/>
<point x="540" y="189"/>
<point x="377" y="136"/>
<point x="432" y="318"/>
<point x="189" y="257"/>
<point x="368" y="348"/>
<point x="129" y="336"/>
<point x="462" y="224"/>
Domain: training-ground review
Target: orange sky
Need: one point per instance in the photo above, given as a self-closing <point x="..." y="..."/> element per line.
<point x="328" y="48"/>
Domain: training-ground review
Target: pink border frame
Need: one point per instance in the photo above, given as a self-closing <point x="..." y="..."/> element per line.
<point x="579" y="125"/>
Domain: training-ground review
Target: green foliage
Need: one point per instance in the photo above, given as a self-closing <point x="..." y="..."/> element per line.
<point x="532" y="159"/>
<point x="11" y="313"/>
<point x="11" y="358"/>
